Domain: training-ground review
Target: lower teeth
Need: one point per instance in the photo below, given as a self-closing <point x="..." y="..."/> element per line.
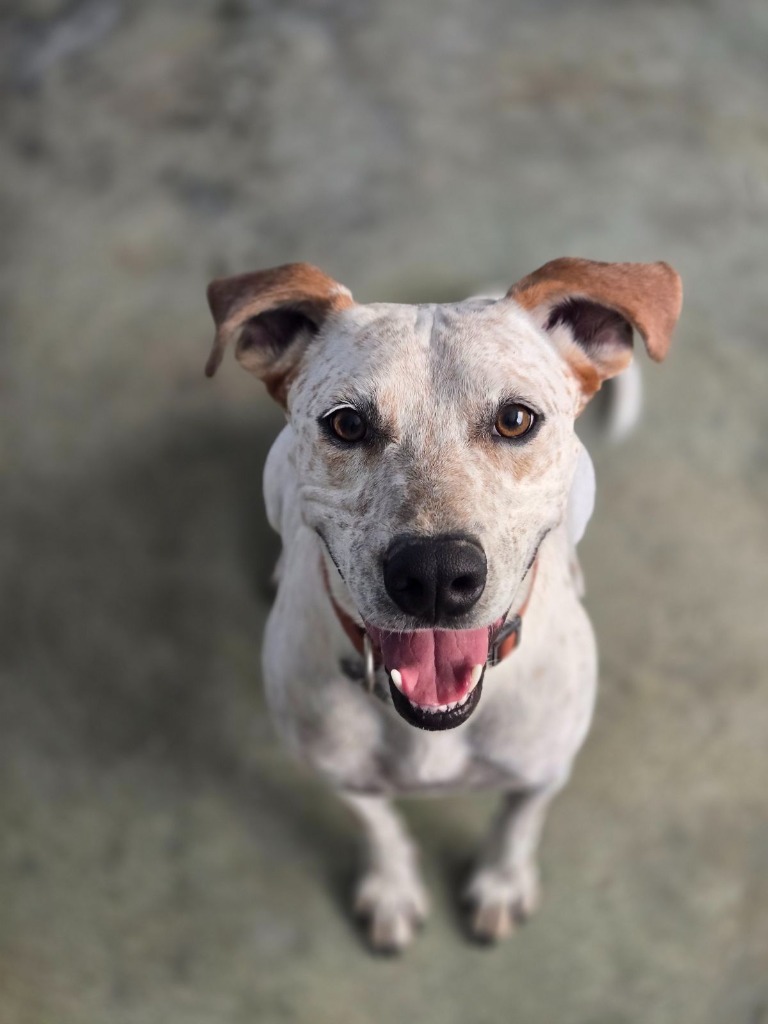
<point x="435" y="709"/>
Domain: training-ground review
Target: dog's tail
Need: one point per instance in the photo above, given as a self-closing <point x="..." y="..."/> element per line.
<point x="623" y="402"/>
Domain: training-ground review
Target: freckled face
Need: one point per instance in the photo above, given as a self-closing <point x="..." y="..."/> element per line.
<point x="437" y="388"/>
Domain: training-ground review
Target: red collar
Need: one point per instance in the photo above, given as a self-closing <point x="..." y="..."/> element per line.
<point x="505" y="640"/>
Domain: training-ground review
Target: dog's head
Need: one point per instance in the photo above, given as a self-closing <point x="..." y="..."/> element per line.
<point x="434" y="444"/>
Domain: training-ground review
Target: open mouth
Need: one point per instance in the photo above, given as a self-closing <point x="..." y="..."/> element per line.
<point x="435" y="676"/>
<point x="432" y="717"/>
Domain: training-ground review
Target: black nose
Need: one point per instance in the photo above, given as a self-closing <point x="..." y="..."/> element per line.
<point x="435" y="578"/>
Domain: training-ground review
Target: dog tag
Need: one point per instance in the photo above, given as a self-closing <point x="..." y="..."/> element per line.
<point x="369" y="668"/>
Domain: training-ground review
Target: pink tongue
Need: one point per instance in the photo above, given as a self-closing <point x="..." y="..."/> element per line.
<point x="435" y="665"/>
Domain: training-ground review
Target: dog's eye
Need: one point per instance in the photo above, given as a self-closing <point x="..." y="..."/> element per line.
<point x="514" y="421"/>
<point x="347" y="424"/>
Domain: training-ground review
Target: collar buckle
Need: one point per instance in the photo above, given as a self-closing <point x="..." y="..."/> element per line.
<point x="505" y="641"/>
<point x="369" y="664"/>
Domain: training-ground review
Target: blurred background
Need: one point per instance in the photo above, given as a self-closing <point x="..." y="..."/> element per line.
<point x="161" y="858"/>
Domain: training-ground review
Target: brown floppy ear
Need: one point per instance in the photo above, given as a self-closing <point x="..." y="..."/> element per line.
<point x="590" y="309"/>
<point x="271" y="315"/>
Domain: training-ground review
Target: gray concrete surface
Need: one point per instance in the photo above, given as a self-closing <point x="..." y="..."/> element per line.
<point x="161" y="860"/>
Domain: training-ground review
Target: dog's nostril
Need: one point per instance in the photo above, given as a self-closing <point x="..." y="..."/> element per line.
<point x="464" y="584"/>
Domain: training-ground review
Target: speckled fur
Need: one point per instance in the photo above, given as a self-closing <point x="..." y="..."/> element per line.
<point x="435" y="374"/>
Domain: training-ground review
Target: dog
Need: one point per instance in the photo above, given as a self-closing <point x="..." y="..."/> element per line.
<point x="428" y="634"/>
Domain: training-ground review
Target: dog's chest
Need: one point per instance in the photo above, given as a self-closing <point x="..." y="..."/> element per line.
<point x="427" y="761"/>
<point x="442" y="763"/>
<point x="505" y="743"/>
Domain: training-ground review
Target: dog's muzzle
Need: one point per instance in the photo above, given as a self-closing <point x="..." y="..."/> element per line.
<point x="435" y="675"/>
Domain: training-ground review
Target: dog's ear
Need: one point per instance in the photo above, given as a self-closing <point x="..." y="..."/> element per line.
<point x="271" y="315"/>
<point x="590" y="310"/>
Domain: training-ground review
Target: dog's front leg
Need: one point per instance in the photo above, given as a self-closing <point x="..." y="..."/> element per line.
<point x="504" y="887"/>
<point x="390" y="895"/>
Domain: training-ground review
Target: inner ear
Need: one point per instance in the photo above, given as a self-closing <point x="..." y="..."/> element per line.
<point x="597" y="329"/>
<point x="267" y="336"/>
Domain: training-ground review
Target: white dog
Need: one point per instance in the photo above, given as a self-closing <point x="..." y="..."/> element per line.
<point x="429" y="490"/>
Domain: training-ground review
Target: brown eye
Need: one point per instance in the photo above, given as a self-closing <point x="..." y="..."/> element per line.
<point x="514" y="421"/>
<point x="347" y="425"/>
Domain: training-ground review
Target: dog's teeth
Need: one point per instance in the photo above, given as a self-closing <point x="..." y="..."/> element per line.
<point x="438" y="709"/>
<point x="397" y="679"/>
<point x="474" y="677"/>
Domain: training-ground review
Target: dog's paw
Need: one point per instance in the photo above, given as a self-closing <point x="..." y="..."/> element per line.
<point x="500" y="899"/>
<point x="392" y="907"/>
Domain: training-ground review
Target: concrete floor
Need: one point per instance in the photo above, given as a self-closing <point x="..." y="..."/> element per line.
<point x="161" y="859"/>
